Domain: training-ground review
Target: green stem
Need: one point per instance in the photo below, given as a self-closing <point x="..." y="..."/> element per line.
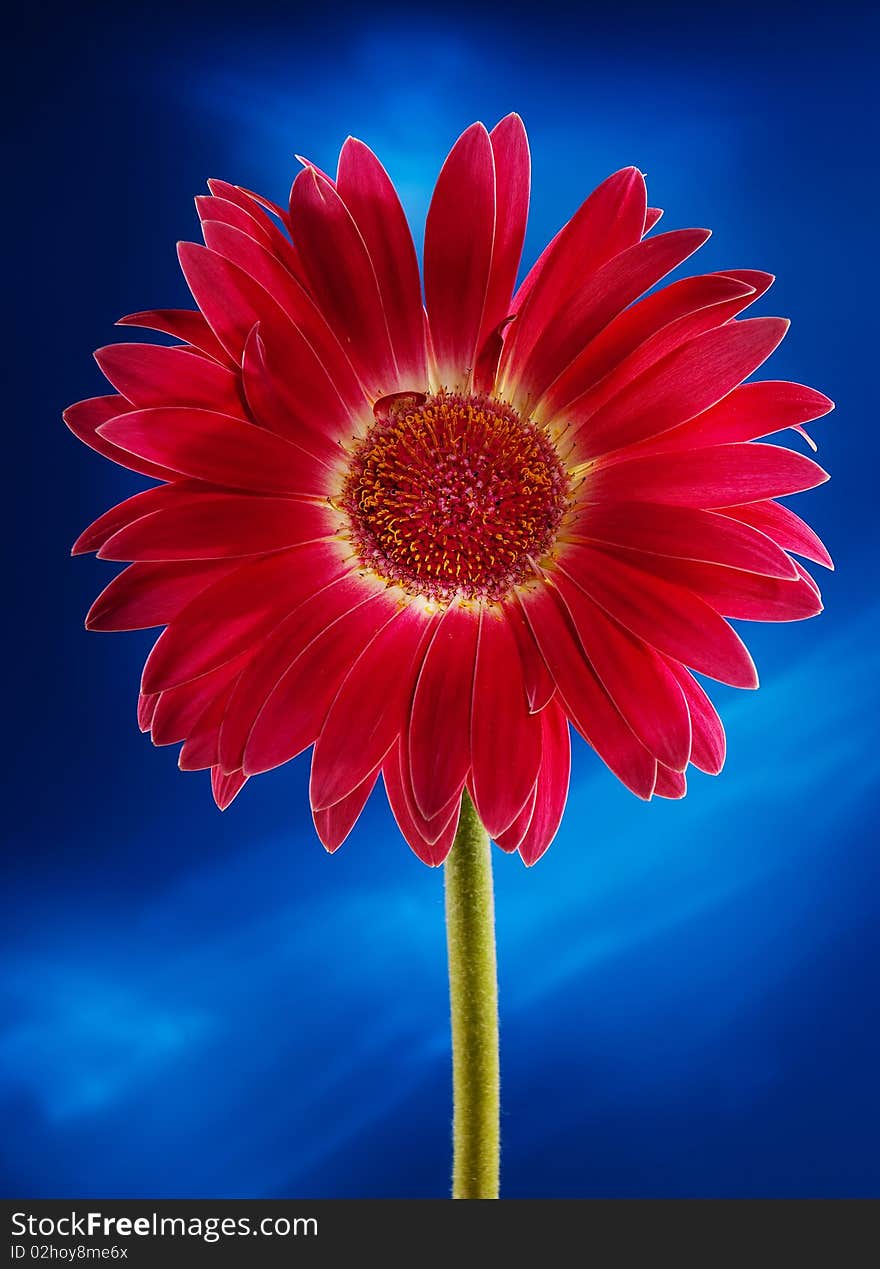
<point x="473" y="995"/>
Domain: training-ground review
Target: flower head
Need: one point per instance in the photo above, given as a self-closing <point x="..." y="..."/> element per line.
<point x="425" y="536"/>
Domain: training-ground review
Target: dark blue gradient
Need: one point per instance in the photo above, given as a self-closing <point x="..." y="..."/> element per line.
<point x="206" y="1005"/>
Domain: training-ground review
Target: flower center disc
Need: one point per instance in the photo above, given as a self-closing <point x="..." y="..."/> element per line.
<point x="454" y="496"/>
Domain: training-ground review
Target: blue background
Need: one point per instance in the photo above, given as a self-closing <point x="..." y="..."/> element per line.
<point x="206" y="1005"/>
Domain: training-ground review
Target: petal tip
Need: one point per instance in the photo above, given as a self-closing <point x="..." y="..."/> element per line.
<point x="477" y="128"/>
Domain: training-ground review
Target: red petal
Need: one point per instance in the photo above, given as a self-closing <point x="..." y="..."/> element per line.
<point x="750" y="411"/>
<point x="746" y="596"/>
<point x="669" y="617"/>
<point x="459" y="232"/>
<point x="261" y="227"/>
<point x="505" y="737"/>
<point x="226" y="788"/>
<point x="439" y="734"/>
<point x="260" y="287"/>
<point x="512" y="837"/>
<point x="552" y="786"/>
<point x="610" y="220"/>
<point x="670" y="784"/>
<point x="217" y="448"/>
<point x="183" y="324"/>
<point x="334" y="823"/>
<point x="86" y="417"/>
<point x="488" y="357"/>
<point x="292" y="716"/>
<point x="528" y="285"/>
<point x="684" y="532"/>
<point x="259" y="262"/>
<point x="207" y="526"/>
<point x="342" y="279"/>
<point x="586" y="702"/>
<point x="431" y="830"/>
<point x="537" y="678"/>
<point x="708" y="744"/>
<point x="272" y="263"/>
<point x="201" y="747"/>
<point x="636" y="678"/>
<point x="132" y="509"/>
<point x="718" y="476"/>
<point x="180" y="708"/>
<point x="784" y="527"/>
<point x="282" y="643"/>
<point x="310" y="166"/>
<point x="600" y="298"/>
<point x="652" y="215"/>
<point x="149" y="375"/>
<point x="431" y="840"/>
<point x="289" y="393"/>
<point x="145" y="595"/>
<point x="225" y="212"/>
<point x="671" y="337"/>
<point x="680" y="386"/>
<point x="602" y="367"/>
<point x="237" y="612"/>
<point x="243" y="198"/>
<point x="367" y="715"/>
<point x="146" y="709"/>
<point x="758" y="279"/>
<point x="247" y="197"/>
<point x="230" y="298"/>
<point x="510" y="149"/>
<point x="365" y="188"/>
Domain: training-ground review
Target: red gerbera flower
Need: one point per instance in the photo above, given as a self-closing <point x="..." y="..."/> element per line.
<point x="426" y="539"/>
